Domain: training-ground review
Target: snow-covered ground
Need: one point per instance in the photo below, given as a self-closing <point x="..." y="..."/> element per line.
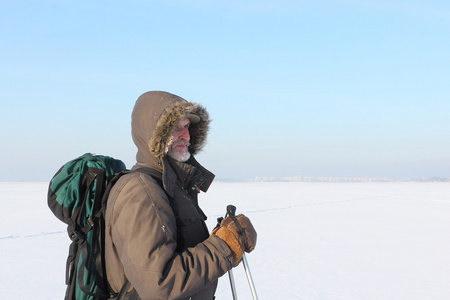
<point x="315" y="240"/>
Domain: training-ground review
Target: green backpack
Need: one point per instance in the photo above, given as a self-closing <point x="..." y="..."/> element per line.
<point x="77" y="196"/>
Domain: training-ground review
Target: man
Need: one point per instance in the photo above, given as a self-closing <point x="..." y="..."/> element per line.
<point x="156" y="236"/>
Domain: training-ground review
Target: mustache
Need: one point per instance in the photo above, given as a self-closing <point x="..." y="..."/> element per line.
<point x="179" y="143"/>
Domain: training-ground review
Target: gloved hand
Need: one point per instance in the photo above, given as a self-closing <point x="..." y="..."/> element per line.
<point x="239" y="240"/>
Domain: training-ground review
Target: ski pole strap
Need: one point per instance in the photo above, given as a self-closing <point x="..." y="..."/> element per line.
<point x="231" y="212"/>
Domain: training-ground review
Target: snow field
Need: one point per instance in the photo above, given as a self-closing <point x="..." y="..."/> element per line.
<point x="315" y="240"/>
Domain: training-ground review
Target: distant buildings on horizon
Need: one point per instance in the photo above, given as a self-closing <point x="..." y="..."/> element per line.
<point x="346" y="179"/>
<point x="337" y="179"/>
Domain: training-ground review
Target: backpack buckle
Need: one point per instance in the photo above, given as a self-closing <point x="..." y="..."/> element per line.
<point x="75" y="235"/>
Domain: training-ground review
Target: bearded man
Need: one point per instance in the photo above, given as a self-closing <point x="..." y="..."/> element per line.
<point x="156" y="236"/>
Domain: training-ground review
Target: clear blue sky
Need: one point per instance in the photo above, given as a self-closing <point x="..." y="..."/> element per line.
<point x="313" y="88"/>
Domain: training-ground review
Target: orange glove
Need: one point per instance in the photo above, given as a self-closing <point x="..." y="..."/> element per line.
<point x="238" y="239"/>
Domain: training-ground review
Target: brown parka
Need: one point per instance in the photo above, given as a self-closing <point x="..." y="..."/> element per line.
<point x="156" y="237"/>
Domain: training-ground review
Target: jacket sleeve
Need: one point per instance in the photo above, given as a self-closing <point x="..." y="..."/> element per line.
<point x="144" y="234"/>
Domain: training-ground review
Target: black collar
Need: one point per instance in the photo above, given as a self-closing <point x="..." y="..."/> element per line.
<point x="189" y="173"/>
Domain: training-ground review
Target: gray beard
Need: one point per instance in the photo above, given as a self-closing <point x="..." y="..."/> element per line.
<point x="180" y="156"/>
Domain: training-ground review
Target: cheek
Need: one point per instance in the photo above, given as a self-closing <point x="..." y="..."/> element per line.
<point x="175" y="138"/>
<point x="174" y="142"/>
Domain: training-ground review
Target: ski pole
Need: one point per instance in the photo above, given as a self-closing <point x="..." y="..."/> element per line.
<point x="230" y="274"/>
<point x="249" y="277"/>
<point x="231" y="211"/>
<point x="232" y="284"/>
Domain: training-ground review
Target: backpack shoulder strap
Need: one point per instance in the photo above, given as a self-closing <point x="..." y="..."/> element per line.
<point x="153" y="173"/>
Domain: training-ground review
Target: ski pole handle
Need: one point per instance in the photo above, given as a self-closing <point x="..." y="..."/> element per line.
<point x="231" y="210"/>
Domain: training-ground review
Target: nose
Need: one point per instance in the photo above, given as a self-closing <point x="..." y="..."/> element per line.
<point x="185" y="134"/>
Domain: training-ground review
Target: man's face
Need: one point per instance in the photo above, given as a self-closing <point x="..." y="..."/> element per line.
<point x="178" y="147"/>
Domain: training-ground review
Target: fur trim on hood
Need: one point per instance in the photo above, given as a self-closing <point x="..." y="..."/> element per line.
<point x="154" y="116"/>
<point x="160" y="139"/>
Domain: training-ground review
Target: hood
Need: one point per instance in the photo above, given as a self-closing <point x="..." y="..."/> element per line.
<point x="154" y="115"/>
